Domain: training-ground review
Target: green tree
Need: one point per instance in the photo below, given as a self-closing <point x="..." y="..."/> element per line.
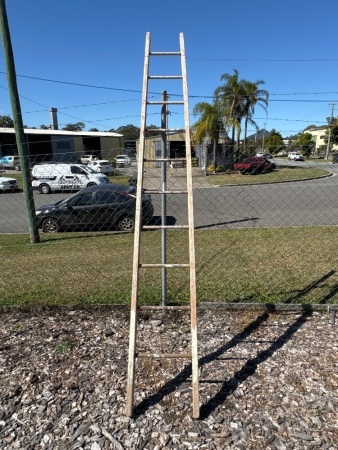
<point x="130" y="132"/>
<point x="334" y="133"/>
<point x="6" y="122"/>
<point x="79" y="126"/>
<point x="209" y="125"/>
<point x="44" y="127"/>
<point x="229" y="99"/>
<point x="274" y="142"/>
<point x="305" y="144"/>
<point x="93" y="129"/>
<point x="254" y="96"/>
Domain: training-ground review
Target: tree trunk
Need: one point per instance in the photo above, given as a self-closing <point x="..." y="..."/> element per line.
<point x="245" y="133"/>
<point x="214" y="155"/>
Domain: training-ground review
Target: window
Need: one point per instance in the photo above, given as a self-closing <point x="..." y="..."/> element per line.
<point x="105" y="197"/>
<point x="84" y="199"/>
<point x="77" y="170"/>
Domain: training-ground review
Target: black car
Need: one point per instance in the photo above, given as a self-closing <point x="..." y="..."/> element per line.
<point x="96" y="207"/>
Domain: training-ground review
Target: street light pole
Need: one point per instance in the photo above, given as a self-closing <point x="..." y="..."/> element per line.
<point x="263" y="138"/>
<point x="330" y="120"/>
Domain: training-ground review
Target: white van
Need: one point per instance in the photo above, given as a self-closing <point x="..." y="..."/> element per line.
<point x="64" y="177"/>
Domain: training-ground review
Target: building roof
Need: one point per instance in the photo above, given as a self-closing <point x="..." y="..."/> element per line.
<point x="63" y="132"/>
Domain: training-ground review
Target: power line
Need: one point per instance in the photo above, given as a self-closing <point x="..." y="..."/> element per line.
<point x="159" y="93"/>
<point x="265" y="60"/>
<point x="126" y="90"/>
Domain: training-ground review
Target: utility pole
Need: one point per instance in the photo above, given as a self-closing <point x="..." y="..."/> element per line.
<point x="330" y="120"/>
<point x="164" y="126"/>
<point x="263" y="138"/>
<point x="18" y="124"/>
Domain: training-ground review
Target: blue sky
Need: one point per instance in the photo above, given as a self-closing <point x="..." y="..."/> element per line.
<point x="86" y="59"/>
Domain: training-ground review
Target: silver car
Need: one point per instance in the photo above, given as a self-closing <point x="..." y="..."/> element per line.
<point x="8" y="184"/>
<point x="122" y="161"/>
<point x="102" y="166"/>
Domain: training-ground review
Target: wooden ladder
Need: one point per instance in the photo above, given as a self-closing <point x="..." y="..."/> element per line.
<point x="190" y="265"/>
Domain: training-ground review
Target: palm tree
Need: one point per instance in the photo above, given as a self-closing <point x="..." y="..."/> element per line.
<point x="230" y="98"/>
<point x="208" y="125"/>
<point x="253" y="96"/>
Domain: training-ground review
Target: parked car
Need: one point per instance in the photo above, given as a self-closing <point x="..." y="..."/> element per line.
<point x="122" y="161"/>
<point x="254" y="165"/>
<point x="295" y="156"/>
<point x="96" y="207"/>
<point x="264" y="155"/>
<point x="102" y="166"/>
<point x="86" y="159"/>
<point x="10" y="162"/>
<point x="65" y="177"/>
<point x="8" y="184"/>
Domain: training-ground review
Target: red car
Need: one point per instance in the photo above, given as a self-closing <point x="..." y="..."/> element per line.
<point x="254" y="165"/>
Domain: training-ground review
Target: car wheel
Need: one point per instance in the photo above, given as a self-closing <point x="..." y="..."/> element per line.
<point x="44" y="189"/>
<point x="126" y="224"/>
<point x="91" y="184"/>
<point x="50" y="226"/>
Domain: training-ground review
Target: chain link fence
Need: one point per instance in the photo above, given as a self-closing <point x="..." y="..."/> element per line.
<point x="266" y="236"/>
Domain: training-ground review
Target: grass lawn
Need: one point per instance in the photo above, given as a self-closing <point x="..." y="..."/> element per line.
<point x="279" y="265"/>
<point x="279" y="175"/>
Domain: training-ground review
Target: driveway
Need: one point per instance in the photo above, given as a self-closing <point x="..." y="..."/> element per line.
<point x="313" y="202"/>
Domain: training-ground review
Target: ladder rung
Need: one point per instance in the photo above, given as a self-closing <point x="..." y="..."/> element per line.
<point x="165" y="192"/>
<point x="165" y="227"/>
<point x="164" y="355"/>
<point x="165" y="53"/>
<point x="164" y="159"/>
<point x="177" y="130"/>
<point x="164" y="265"/>
<point x="165" y="77"/>
<point x="165" y="307"/>
<point x="159" y="102"/>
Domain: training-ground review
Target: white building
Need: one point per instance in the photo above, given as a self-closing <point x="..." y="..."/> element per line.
<point x="62" y="145"/>
<point x="318" y="138"/>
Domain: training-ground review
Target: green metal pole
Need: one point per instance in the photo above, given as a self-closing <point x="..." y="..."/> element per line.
<point x="18" y="125"/>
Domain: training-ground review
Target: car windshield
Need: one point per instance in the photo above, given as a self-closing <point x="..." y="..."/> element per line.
<point x="68" y="199"/>
<point x="88" y="169"/>
<point x="65" y="200"/>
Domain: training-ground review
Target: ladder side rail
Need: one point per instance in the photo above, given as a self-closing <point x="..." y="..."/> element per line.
<point x="137" y="237"/>
<point x="194" y="346"/>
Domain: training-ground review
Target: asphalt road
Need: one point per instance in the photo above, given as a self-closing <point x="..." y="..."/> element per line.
<point x="313" y="202"/>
